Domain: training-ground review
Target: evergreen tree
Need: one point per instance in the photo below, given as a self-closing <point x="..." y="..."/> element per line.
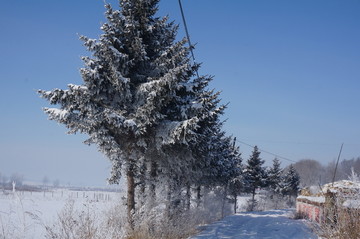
<point x="140" y="102"/>
<point x="290" y="183"/>
<point x="255" y="174"/>
<point x="274" y="176"/>
<point x="236" y="184"/>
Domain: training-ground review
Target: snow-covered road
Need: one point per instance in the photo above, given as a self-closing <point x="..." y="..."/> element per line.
<point x="275" y="224"/>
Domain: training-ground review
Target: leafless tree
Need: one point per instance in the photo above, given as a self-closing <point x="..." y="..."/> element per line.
<point x="311" y="172"/>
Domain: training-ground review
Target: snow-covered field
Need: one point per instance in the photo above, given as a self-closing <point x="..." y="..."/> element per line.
<point x="274" y="224"/>
<point x="25" y="214"/>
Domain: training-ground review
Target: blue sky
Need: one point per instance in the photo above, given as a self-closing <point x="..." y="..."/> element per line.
<point x="289" y="69"/>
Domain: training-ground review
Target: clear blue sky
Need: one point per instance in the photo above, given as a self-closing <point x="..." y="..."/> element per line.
<point x="289" y="69"/>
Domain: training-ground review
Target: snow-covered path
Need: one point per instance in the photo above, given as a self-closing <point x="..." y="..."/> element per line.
<point x="274" y="224"/>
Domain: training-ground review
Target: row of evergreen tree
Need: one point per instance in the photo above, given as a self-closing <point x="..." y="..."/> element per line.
<point x="274" y="179"/>
<point x="143" y="105"/>
<point x="278" y="181"/>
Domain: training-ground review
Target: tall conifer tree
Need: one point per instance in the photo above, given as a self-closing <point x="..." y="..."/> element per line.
<point x="274" y="176"/>
<point x="254" y="173"/>
<point x="291" y="182"/>
<point x="140" y="102"/>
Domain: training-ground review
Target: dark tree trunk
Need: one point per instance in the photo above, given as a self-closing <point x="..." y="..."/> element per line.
<point x="188" y="197"/>
<point x="168" y="199"/>
<point x="130" y="197"/>
<point x="153" y="176"/>
<point x="198" y="196"/>
<point x="142" y="184"/>
<point x="235" y="202"/>
<point x="253" y="193"/>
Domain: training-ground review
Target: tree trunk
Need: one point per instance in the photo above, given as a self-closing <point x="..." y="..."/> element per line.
<point x="223" y="202"/>
<point x="130" y="197"/>
<point x="252" y="206"/>
<point x="188" y="197"/>
<point x="153" y="176"/>
<point x="253" y="193"/>
<point x="235" y="202"/>
<point x="198" y="196"/>
<point x="168" y="199"/>
<point x="142" y="184"/>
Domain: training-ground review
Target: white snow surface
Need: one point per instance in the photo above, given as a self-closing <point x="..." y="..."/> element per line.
<point x="341" y="186"/>
<point x="25" y="214"/>
<point x="274" y="224"/>
<point x="320" y="199"/>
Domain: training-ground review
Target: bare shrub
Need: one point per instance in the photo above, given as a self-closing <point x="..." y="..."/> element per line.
<point x="73" y="224"/>
<point x="346" y="226"/>
<point x="17" y="223"/>
<point x="182" y="225"/>
<point x="267" y="201"/>
<point x="343" y="223"/>
<point x="155" y="222"/>
<point x="87" y="223"/>
<point x="151" y="221"/>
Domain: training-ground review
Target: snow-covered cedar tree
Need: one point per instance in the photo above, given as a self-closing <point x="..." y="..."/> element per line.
<point x="138" y="95"/>
<point x="290" y="182"/>
<point x="274" y="177"/>
<point x="254" y="173"/>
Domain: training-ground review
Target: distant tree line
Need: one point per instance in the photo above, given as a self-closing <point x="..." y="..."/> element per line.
<point x="6" y="181"/>
<point x="313" y="173"/>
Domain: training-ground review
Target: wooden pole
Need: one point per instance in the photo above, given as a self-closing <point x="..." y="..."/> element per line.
<point x="337" y="162"/>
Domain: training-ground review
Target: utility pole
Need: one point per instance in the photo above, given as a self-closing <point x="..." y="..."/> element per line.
<point x="337" y="162"/>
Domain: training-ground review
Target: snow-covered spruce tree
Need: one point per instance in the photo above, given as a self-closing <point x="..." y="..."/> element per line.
<point x="206" y="148"/>
<point x="137" y="95"/>
<point x="255" y="174"/>
<point x="237" y="183"/>
<point x="274" y="177"/>
<point x="290" y="182"/>
<point x="217" y="157"/>
<point x="194" y="157"/>
<point x="224" y="165"/>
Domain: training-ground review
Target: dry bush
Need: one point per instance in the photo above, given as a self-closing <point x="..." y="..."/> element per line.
<point x="16" y="222"/>
<point x="343" y="224"/>
<point x="154" y="221"/>
<point x="181" y="226"/>
<point x="86" y="223"/>
<point x="346" y="225"/>
<point x="73" y="224"/>
<point x="151" y="221"/>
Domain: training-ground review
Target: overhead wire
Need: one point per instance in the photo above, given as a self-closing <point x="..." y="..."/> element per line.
<point x="188" y="35"/>
<point x="265" y="151"/>
<point x="193" y="57"/>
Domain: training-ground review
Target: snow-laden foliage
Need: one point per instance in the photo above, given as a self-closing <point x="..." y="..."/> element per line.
<point x="143" y="105"/>
<point x="290" y="182"/>
<point x="275" y="176"/>
<point x="138" y="84"/>
<point x="254" y="172"/>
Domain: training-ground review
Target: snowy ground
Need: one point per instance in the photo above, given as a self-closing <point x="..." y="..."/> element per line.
<point x="274" y="224"/>
<point x="24" y="215"/>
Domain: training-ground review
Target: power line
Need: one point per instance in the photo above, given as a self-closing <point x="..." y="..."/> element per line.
<point x="188" y="35"/>
<point x="264" y="151"/>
